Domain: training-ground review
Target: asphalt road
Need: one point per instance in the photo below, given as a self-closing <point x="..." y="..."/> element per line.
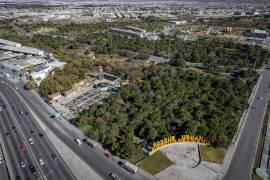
<point x="92" y="157"/>
<point x="42" y="149"/>
<point x="241" y="163"/>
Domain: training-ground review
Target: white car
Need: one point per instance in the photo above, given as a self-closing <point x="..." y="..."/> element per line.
<point x="31" y="141"/>
<point x="78" y="141"/>
<point x="23" y="164"/>
<point x="41" y="162"/>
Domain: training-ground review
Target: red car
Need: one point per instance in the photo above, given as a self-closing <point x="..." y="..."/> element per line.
<point x="23" y="147"/>
<point x="108" y="154"/>
<point x="7" y="134"/>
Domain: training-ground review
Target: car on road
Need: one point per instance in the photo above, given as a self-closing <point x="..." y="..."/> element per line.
<point x="41" y="162"/>
<point x="21" y="112"/>
<point x="7" y="134"/>
<point x="32" y="169"/>
<point x="78" y="141"/>
<point x="23" y="147"/>
<point x="4" y="106"/>
<point x="32" y="131"/>
<point x="40" y="135"/>
<point x="0" y="109"/>
<point x="14" y="128"/>
<point x="31" y="141"/>
<point x="26" y="113"/>
<point x="54" y="156"/>
<point x="108" y="154"/>
<point x="1" y="159"/>
<point x="114" y="176"/>
<point x="260" y="98"/>
<point x="23" y="164"/>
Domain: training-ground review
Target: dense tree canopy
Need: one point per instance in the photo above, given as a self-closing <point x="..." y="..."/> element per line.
<point x="167" y="100"/>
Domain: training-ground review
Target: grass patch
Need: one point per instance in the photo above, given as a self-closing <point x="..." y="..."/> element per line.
<point x="211" y="154"/>
<point x="155" y="163"/>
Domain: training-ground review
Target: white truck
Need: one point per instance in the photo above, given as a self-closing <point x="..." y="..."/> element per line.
<point x="128" y="166"/>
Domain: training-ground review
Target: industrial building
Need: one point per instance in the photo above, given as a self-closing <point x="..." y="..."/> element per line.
<point x="9" y="43"/>
<point x="135" y="29"/>
<point x="24" y="50"/>
<point x="127" y="32"/>
<point x="257" y="33"/>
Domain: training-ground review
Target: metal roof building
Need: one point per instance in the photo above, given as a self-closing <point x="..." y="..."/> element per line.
<point x="25" y="50"/>
<point x="9" y="43"/>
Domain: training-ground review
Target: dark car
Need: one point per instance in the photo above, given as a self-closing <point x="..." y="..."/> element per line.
<point x="54" y="156"/>
<point x="7" y="134"/>
<point x="32" y="131"/>
<point x="32" y="169"/>
<point x="4" y="106"/>
<point x="26" y="113"/>
<point x="14" y="128"/>
<point x="40" y="135"/>
<point x="115" y="176"/>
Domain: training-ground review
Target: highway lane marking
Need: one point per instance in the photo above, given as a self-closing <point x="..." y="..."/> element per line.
<point x="22" y="134"/>
<point x="30" y="110"/>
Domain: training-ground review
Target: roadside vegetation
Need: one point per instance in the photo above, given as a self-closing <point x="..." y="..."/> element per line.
<point x="155" y="163"/>
<point x="211" y="154"/>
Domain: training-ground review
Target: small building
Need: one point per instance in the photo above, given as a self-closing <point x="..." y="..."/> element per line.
<point x="257" y="33"/>
<point x="55" y="96"/>
<point x="38" y="76"/>
<point x="178" y="22"/>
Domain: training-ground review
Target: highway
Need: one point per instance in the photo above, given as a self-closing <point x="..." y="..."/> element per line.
<point x="19" y="123"/>
<point x="241" y="164"/>
<point x="92" y="157"/>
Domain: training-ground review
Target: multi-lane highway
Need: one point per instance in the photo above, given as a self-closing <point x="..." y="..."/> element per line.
<point x="241" y="164"/>
<point x="92" y="157"/>
<point x="17" y="126"/>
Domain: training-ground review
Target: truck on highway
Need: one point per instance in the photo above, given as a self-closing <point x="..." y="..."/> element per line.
<point x="128" y="166"/>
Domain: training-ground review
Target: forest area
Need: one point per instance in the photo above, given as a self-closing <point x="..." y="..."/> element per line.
<point x="167" y="100"/>
<point x="161" y="100"/>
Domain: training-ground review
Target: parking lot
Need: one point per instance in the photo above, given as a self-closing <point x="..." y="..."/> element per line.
<point x="86" y="99"/>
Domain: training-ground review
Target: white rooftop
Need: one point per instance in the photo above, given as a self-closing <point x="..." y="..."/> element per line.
<point x="259" y="31"/>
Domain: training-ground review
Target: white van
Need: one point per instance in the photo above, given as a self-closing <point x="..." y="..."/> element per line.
<point x="79" y="142"/>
